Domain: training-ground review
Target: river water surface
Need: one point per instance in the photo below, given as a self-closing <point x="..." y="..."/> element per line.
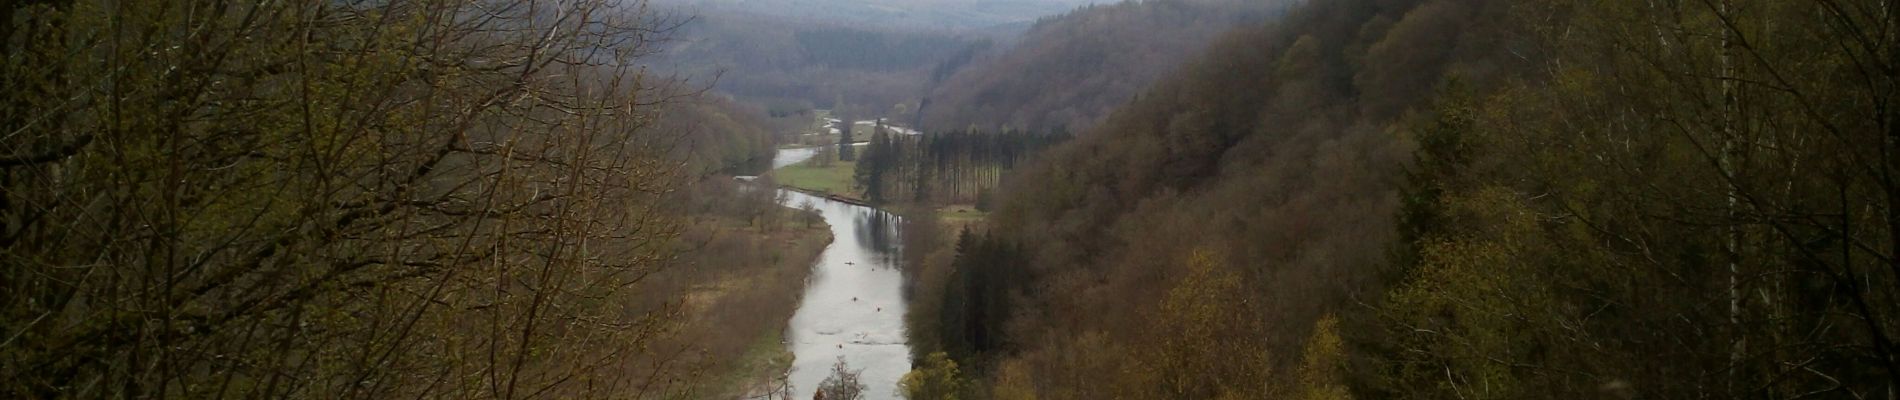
<point x="853" y="304"/>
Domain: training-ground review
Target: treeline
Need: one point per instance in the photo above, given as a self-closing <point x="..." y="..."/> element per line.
<point x="1465" y="199"/>
<point x="983" y="280"/>
<point x="872" y="50"/>
<point x="943" y="168"/>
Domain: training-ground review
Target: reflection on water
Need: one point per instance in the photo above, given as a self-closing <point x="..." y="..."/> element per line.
<point x="853" y="304"/>
<point x="880" y="234"/>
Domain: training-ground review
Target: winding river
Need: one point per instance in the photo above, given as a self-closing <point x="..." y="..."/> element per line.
<point x="853" y="304"/>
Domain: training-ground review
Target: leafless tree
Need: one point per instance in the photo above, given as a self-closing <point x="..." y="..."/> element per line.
<point x="436" y="198"/>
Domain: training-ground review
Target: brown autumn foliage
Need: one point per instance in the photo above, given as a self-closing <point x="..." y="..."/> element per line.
<point x="1272" y="162"/>
<point x="1473" y="199"/>
<point x="797" y="64"/>
<point x="341" y="200"/>
<point x="1068" y="72"/>
<point x="743" y="262"/>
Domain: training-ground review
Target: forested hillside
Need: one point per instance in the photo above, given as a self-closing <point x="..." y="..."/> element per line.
<point x="932" y="15"/>
<point x="800" y="64"/>
<point x="1071" y="70"/>
<point x="952" y="168"/>
<point x="1459" y="199"/>
<point x="1202" y="221"/>
<point x="716" y="136"/>
<point x="1143" y="199"/>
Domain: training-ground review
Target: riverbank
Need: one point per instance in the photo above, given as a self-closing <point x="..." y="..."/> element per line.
<point x="853" y="306"/>
<point x="834" y="182"/>
<point x="747" y="283"/>
<point x="853" y="309"/>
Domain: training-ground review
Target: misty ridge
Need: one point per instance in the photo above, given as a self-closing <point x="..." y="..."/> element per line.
<point x="950" y="199"/>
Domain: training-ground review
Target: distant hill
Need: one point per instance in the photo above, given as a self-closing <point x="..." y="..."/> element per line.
<point x="1071" y="70"/>
<point x="791" y="64"/>
<point x="942" y="15"/>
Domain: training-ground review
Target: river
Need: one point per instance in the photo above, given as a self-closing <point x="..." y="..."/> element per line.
<point x="853" y="304"/>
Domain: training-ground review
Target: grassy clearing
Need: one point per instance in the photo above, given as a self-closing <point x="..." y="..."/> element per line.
<point x="835" y="179"/>
<point x="961" y="214"/>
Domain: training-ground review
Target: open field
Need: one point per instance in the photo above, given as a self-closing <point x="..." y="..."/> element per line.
<point x="835" y="179"/>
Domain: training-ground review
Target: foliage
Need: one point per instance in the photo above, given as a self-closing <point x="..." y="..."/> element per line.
<point x="1322" y="364"/>
<point x="1070" y="71"/>
<point x="937" y="378"/>
<point x="847" y="147"/>
<point x="317" y="199"/>
<point x="950" y="168"/>
<point x="741" y="258"/>
<point x="1259" y="184"/>
<point x="1202" y="350"/>
<point x="1603" y="199"/>
<point x="1695" y="209"/>
<point x="716" y="136"/>
<point x="1013" y="383"/>
<point x="979" y="295"/>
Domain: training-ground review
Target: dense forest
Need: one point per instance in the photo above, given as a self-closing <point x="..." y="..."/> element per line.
<point x="796" y="65"/>
<point x="1069" y="71"/>
<point x="951" y="168"/>
<point x="926" y="15"/>
<point x="716" y="136"/>
<point x="1459" y="199"/>
<point x="1137" y="199"/>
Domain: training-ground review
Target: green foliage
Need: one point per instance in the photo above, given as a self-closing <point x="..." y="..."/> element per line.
<point x="1442" y="154"/>
<point x="936" y="379"/>
<point x="1204" y="351"/>
<point x="984" y="282"/>
<point x="1620" y="227"/>
<point x="832" y="179"/>
<point x="1321" y="365"/>
<point x="1013" y="382"/>
<point x="717" y="137"/>
<point x="1461" y="307"/>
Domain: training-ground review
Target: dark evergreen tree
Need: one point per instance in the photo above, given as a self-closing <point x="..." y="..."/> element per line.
<point x="845" y="150"/>
<point x="944" y="167"/>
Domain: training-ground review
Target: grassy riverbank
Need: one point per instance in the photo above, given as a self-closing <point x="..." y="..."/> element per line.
<point x="745" y="280"/>
<point x="831" y="179"/>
